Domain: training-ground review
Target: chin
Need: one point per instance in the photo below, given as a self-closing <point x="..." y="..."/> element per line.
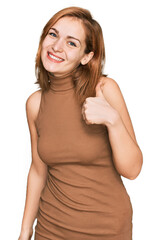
<point x="49" y="68"/>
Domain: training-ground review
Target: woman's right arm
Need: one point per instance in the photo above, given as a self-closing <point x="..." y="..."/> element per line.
<point x="37" y="175"/>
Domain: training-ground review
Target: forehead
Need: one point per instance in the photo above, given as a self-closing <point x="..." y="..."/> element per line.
<point x="70" y="26"/>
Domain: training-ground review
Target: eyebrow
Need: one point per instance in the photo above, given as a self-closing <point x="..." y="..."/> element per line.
<point x="67" y="36"/>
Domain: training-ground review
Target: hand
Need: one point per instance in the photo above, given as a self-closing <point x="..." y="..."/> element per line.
<point x="26" y="235"/>
<point x="96" y="110"/>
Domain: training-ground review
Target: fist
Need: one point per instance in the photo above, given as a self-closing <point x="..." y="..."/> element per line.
<point x="96" y="110"/>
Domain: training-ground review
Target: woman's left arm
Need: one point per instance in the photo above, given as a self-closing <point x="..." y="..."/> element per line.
<point x="109" y="108"/>
<point x="127" y="156"/>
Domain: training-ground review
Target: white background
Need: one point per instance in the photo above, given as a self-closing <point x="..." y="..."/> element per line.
<point x="133" y="49"/>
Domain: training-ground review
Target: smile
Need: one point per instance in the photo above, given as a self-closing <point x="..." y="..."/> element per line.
<point x="57" y="59"/>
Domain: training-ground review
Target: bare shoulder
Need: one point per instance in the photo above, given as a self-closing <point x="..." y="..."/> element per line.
<point x="114" y="97"/>
<point x="111" y="90"/>
<point x="32" y="104"/>
<point x="108" y="81"/>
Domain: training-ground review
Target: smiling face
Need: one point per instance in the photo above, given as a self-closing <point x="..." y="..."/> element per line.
<point x="63" y="47"/>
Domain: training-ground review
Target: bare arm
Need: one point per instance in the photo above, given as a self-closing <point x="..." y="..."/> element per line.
<point x="38" y="171"/>
<point x="127" y="155"/>
<point x="109" y="108"/>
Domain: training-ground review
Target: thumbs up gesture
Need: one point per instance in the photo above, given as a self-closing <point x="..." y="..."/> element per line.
<point x="97" y="110"/>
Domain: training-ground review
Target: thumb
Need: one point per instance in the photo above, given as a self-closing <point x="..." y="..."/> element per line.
<point x="99" y="92"/>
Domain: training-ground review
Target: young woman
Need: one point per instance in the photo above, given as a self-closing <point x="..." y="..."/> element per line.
<point x="82" y="138"/>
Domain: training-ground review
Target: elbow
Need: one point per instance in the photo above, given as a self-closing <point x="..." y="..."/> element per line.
<point x="133" y="177"/>
<point x="137" y="168"/>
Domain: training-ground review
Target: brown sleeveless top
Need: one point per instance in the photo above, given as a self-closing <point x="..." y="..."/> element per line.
<point x="84" y="197"/>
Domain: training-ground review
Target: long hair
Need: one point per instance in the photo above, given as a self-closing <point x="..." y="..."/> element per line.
<point x="85" y="77"/>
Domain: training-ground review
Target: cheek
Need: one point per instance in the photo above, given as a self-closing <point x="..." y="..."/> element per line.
<point x="46" y="43"/>
<point x="75" y="56"/>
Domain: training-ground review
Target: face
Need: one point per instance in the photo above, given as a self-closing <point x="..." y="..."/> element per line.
<point x="63" y="47"/>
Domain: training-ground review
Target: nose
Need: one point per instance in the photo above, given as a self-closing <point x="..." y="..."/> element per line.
<point x="58" y="45"/>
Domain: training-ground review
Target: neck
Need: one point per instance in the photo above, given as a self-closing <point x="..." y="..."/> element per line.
<point x="50" y="74"/>
<point x="62" y="82"/>
<point x="63" y="75"/>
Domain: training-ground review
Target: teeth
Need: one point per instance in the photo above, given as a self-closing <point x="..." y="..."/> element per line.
<point x="57" y="59"/>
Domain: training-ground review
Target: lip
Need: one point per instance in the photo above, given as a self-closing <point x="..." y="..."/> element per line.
<point x="54" y="60"/>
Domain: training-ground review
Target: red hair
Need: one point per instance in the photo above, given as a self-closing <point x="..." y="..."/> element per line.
<point x="86" y="76"/>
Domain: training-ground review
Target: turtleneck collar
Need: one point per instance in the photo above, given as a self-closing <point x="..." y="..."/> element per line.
<point x="62" y="83"/>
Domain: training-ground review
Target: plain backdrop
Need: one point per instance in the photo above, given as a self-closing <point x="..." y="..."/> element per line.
<point x="133" y="58"/>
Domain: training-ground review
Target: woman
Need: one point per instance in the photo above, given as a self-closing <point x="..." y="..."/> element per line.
<point x="81" y="136"/>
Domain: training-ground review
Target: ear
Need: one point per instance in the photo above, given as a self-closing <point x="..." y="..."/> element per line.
<point x="87" y="57"/>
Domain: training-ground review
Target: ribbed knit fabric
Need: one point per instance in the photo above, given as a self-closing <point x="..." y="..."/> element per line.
<point x="84" y="197"/>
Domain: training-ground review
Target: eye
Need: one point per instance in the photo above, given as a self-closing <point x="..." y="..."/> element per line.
<point x="52" y="34"/>
<point x="72" y="44"/>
